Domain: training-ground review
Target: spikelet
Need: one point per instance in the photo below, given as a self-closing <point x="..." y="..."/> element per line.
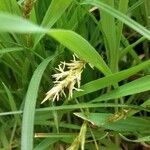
<point x="68" y="77"/>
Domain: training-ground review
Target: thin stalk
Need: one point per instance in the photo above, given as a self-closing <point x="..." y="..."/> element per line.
<point x="147" y="20"/>
<point x="128" y="48"/>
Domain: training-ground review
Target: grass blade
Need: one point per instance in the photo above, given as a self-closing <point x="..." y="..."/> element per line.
<point x="125" y="19"/>
<point x="11" y="103"/>
<point x="29" y="108"/>
<point x="81" y="47"/>
<point x="110" y="80"/>
<point x="8" y="50"/>
<point x="54" y="12"/>
<point x="13" y="23"/>
<point x="78" y="106"/>
<point x="109" y="35"/>
<point x="134" y="87"/>
<point x="126" y="125"/>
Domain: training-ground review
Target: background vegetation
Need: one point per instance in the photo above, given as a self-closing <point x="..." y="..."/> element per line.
<point x="112" y="111"/>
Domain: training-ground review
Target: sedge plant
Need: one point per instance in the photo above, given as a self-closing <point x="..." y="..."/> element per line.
<point x="96" y="106"/>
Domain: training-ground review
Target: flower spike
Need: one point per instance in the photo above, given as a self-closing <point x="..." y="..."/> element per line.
<point x="66" y="79"/>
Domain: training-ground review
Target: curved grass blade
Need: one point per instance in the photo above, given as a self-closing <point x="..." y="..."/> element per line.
<point x="54" y="12"/>
<point x="134" y="87"/>
<point x="29" y="108"/>
<point x="11" y="103"/>
<point x="141" y="139"/>
<point x="12" y="23"/>
<point x="10" y="6"/>
<point x="8" y="50"/>
<point x="81" y="47"/>
<point x="126" y="125"/>
<point x="45" y="143"/>
<point x="110" y="80"/>
<point x="70" y="39"/>
<point x="79" y="106"/>
<point x="125" y="19"/>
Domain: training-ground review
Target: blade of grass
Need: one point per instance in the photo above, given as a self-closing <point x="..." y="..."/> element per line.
<point x="3" y="137"/>
<point x="126" y="125"/>
<point x="68" y="38"/>
<point x="135" y="5"/>
<point x="141" y="139"/>
<point x="81" y="47"/>
<point x="109" y="35"/>
<point x="123" y="6"/>
<point x="13" y="23"/>
<point x="125" y="19"/>
<point x="128" y="48"/>
<point x="12" y="103"/>
<point x="29" y="108"/>
<point x="110" y="80"/>
<point x="134" y="87"/>
<point x="147" y="12"/>
<point x="54" y="12"/>
<point x="45" y="143"/>
<point x="79" y="106"/>
<point x="10" y="6"/>
<point x="135" y="56"/>
<point x="8" y="50"/>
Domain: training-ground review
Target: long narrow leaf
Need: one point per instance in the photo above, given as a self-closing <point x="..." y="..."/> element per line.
<point x="54" y="12"/>
<point x="134" y="87"/>
<point x="126" y="125"/>
<point x="12" y="23"/>
<point x="110" y="80"/>
<point x="78" y="106"/>
<point x="125" y="19"/>
<point x="29" y="108"/>
<point x="8" y="50"/>
<point x="81" y="47"/>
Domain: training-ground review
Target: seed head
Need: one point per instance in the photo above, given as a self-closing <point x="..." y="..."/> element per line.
<point x="68" y="77"/>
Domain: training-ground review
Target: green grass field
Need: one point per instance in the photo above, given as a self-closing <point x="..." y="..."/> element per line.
<point x="74" y="75"/>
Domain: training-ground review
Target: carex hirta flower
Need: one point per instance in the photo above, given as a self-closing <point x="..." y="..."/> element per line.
<point x="67" y="80"/>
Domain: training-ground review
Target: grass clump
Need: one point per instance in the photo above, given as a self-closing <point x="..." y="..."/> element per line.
<point x="105" y="107"/>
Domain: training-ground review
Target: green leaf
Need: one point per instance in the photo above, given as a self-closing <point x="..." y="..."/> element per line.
<point x="11" y="102"/>
<point x="135" y="5"/>
<point x="134" y="87"/>
<point x="110" y="37"/>
<point x="125" y="19"/>
<point x="129" y="47"/>
<point x="79" y="106"/>
<point x="68" y="38"/>
<point x="11" y="23"/>
<point x="8" y="50"/>
<point x="143" y="139"/>
<point x="54" y="12"/>
<point x="11" y="6"/>
<point x="46" y="143"/>
<point x="29" y="108"/>
<point x="3" y="137"/>
<point x="125" y="124"/>
<point x="110" y="80"/>
<point x="81" y="47"/>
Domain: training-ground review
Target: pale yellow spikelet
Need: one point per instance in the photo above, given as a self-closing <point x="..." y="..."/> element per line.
<point x="68" y="76"/>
